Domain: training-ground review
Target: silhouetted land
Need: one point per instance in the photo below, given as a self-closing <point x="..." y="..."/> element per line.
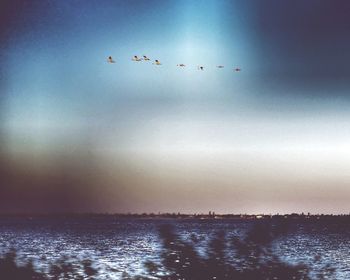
<point x="209" y="215"/>
<point x="249" y="257"/>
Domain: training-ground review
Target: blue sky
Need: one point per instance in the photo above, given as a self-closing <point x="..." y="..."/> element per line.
<point x="159" y="138"/>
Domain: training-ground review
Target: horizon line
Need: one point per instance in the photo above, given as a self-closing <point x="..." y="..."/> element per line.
<point x="209" y="213"/>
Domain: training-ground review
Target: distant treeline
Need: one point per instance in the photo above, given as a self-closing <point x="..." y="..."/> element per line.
<point x="210" y="215"/>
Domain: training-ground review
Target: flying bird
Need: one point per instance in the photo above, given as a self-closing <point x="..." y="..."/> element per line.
<point x="145" y="58"/>
<point x="181" y="65"/>
<point x="201" y="68"/>
<point x="110" y="60"/>
<point x="136" y="58"/>
<point x="220" y="66"/>
<point x="157" y="62"/>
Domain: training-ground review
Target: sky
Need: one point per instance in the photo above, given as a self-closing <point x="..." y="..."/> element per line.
<point x="79" y="134"/>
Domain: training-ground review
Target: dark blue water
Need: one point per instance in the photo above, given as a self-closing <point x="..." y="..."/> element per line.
<point x="123" y="245"/>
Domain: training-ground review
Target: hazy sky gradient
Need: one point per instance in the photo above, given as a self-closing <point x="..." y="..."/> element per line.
<point x="79" y="134"/>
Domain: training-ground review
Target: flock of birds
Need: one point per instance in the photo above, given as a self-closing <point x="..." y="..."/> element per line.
<point x="157" y="62"/>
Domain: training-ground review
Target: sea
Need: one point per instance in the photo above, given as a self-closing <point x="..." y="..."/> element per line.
<point x="123" y="245"/>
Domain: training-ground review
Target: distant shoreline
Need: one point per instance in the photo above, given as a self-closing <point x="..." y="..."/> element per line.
<point x="209" y="216"/>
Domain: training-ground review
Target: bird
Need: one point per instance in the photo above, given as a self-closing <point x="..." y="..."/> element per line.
<point x="135" y="58"/>
<point x="181" y="65"/>
<point x="145" y="58"/>
<point x="110" y="60"/>
<point x="201" y="68"/>
<point x="157" y="62"/>
<point x="237" y="69"/>
<point x="220" y="66"/>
